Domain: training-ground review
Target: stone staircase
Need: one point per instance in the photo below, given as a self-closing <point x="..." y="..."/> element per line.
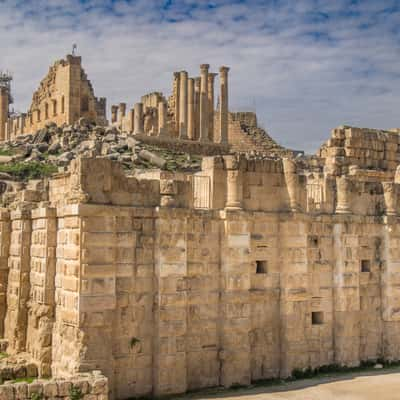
<point x="246" y="136"/>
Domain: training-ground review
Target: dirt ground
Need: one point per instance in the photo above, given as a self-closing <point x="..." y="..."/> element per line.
<point x="371" y="385"/>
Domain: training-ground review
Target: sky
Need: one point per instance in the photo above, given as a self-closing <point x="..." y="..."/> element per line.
<point x="305" y="66"/>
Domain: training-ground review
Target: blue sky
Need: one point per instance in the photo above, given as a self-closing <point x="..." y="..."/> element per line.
<point x="305" y="66"/>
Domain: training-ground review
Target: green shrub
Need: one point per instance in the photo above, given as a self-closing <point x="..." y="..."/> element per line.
<point x="28" y="170"/>
<point x="37" y="396"/>
<point x="6" y="152"/>
<point x="75" y="393"/>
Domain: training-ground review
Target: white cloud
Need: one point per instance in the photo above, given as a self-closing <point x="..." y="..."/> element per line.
<point x="307" y="66"/>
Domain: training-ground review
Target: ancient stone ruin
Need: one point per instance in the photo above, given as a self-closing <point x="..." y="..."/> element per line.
<point x="179" y="247"/>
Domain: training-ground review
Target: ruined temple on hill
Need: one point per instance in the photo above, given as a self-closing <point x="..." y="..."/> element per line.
<point x="63" y="96"/>
<point x="164" y="282"/>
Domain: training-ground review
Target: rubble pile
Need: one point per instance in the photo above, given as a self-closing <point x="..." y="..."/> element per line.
<point x="52" y="148"/>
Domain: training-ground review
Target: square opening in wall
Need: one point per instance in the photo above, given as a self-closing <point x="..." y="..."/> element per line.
<point x="261" y="267"/>
<point x="313" y="241"/>
<point x="317" y="318"/>
<point x="365" y="266"/>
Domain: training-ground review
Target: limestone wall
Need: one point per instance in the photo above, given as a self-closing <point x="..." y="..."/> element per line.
<point x="86" y="386"/>
<point x="365" y="148"/>
<point x="284" y="269"/>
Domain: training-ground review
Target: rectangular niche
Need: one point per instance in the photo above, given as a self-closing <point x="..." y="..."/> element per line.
<point x="261" y="267"/>
<point x="317" y="317"/>
<point x="365" y="266"/>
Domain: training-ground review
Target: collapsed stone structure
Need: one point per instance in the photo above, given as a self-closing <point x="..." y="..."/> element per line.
<point x="64" y="95"/>
<point x="252" y="267"/>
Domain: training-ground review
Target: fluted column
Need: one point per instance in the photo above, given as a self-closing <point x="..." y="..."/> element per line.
<point x="204" y="102"/>
<point x="223" y="104"/>
<point x="191" y="110"/>
<point x="162" y="118"/>
<point x="138" y="125"/>
<point x="183" y="105"/>
<point x="211" y="78"/>
<point x="176" y="95"/>
<point x="197" y="108"/>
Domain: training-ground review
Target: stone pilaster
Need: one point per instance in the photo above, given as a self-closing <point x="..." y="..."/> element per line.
<point x="139" y="122"/>
<point x="346" y="293"/>
<point x="162" y="118"/>
<point x="170" y="308"/>
<point x="183" y="105"/>
<point x="234" y="318"/>
<point x="223" y="104"/>
<point x="211" y="78"/>
<point x="5" y="229"/>
<point x="204" y="119"/>
<point x="66" y="339"/>
<point x="18" y="281"/>
<point x="191" y="109"/>
<point x="42" y="288"/>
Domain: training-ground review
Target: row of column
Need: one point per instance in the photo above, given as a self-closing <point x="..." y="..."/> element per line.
<point x="194" y="105"/>
<point x="136" y="118"/>
<point x="193" y="109"/>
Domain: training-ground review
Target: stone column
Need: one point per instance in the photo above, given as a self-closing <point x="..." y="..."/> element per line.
<point x="183" y="105"/>
<point x="223" y="104"/>
<point x="234" y="189"/>
<point x="131" y="120"/>
<point x="292" y="183"/>
<point x="196" y="108"/>
<point x="177" y="86"/>
<point x="114" y="113"/>
<point x="121" y="111"/>
<point x="390" y="196"/>
<point x="138" y="125"/>
<point x="191" y="109"/>
<point x="343" y="186"/>
<point x="5" y="232"/>
<point x="211" y="78"/>
<point x="204" y="102"/>
<point x="162" y="118"/>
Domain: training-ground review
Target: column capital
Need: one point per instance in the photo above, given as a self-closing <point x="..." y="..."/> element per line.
<point x="204" y="67"/>
<point x="176" y="74"/>
<point x="224" y="70"/>
<point x="183" y="73"/>
<point x="211" y="75"/>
